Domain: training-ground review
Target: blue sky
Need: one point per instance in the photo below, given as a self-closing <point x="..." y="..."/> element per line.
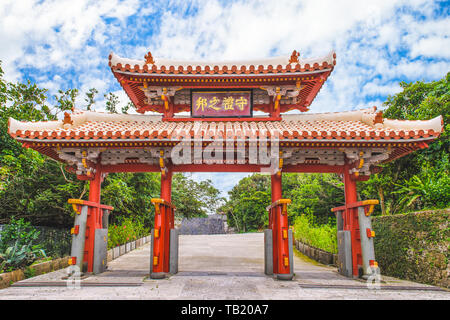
<point x="64" y="44"/>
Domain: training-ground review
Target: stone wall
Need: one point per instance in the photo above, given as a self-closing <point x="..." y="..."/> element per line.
<point x="213" y="224"/>
<point x="7" y="278"/>
<point x="414" y="246"/>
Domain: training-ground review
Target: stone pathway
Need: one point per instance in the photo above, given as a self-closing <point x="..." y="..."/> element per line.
<point x="216" y="267"/>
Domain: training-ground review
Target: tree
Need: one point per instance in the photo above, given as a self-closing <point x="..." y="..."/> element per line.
<point x="193" y="199"/>
<point x="246" y="206"/>
<point x="66" y="101"/>
<point x="32" y="186"/>
<point x="111" y="102"/>
<point x="130" y="194"/>
<point x="127" y="107"/>
<point x="313" y="192"/>
<point x="90" y="98"/>
<point x="419" y="180"/>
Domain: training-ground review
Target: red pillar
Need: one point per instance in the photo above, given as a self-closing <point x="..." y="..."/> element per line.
<point x="276" y="187"/>
<point x="163" y="223"/>
<point x="94" y="219"/>
<point x="351" y="219"/>
<point x="166" y="185"/>
<point x="280" y="227"/>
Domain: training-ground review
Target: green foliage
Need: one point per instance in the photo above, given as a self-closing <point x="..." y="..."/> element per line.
<point x="66" y="100"/>
<point x="17" y="232"/>
<point x="316" y="193"/>
<point x="57" y="242"/>
<point x="429" y="189"/>
<point x="29" y="272"/>
<point x="320" y="236"/>
<point x="31" y="185"/>
<point x="130" y="195"/>
<point x="40" y="194"/>
<point x="17" y="257"/>
<point x="127" y="230"/>
<point x="127" y="107"/>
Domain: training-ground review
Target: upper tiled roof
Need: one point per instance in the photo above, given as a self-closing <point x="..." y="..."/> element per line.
<point x="364" y="124"/>
<point x="275" y="65"/>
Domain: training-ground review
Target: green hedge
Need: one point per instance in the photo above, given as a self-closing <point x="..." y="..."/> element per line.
<point x="414" y="246"/>
<point x="321" y="236"/>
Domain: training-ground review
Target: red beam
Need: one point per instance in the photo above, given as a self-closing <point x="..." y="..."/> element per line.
<point x="217" y="168"/>
<point x="90" y="204"/>
<point x="314" y="168"/>
<point x="130" y="167"/>
<point x="140" y="167"/>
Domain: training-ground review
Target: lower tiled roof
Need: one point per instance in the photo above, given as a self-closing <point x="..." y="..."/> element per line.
<point x="363" y="124"/>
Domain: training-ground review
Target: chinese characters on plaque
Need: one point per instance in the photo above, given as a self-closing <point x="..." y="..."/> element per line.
<point x="221" y="104"/>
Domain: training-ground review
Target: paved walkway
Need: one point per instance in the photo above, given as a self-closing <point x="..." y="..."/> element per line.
<point x="216" y="267"/>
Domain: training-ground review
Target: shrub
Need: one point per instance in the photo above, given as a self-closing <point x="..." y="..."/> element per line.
<point x="128" y="229"/>
<point x="429" y="189"/>
<point x="17" y="257"/>
<point x="16" y="245"/>
<point x="17" y="231"/>
<point x="320" y="236"/>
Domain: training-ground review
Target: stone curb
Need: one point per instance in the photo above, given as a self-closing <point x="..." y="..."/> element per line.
<point x="317" y="254"/>
<point x="7" y="278"/>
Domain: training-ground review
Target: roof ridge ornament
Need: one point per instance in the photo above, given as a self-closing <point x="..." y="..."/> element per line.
<point x="294" y="57"/>
<point x="378" y="120"/>
<point x="149" y="58"/>
<point x="67" y="121"/>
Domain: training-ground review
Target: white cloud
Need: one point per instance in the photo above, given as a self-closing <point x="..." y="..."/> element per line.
<point x="436" y="47"/>
<point x="372" y="88"/>
<point x="55" y="33"/>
